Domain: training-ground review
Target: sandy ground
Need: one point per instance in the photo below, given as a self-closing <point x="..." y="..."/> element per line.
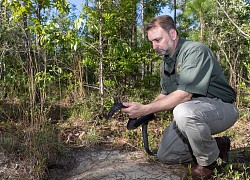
<point x="106" y="164"/>
<point x="116" y="164"/>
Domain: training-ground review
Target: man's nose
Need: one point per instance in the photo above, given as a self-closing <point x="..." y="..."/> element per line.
<point x="155" y="46"/>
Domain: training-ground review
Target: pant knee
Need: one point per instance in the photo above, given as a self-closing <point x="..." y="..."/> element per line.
<point x="182" y="115"/>
<point x="175" y="157"/>
<point x="174" y="148"/>
<point x="167" y="158"/>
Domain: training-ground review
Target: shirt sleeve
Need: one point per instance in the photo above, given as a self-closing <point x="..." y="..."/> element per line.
<point x="196" y="70"/>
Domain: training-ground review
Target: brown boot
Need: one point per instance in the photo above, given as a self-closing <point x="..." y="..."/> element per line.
<point x="224" y="147"/>
<point x="199" y="172"/>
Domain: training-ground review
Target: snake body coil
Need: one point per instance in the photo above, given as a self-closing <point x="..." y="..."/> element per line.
<point x="133" y="123"/>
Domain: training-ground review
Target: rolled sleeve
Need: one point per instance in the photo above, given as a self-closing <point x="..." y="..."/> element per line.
<point x="196" y="72"/>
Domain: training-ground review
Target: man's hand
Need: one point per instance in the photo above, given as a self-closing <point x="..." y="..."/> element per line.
<point x="134" y="109"/>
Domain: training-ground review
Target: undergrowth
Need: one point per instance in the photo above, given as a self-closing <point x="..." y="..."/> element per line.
<point x="83" y="124"/>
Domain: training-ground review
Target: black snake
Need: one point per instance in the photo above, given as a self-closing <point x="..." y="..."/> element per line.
<point x="133" y="123"/>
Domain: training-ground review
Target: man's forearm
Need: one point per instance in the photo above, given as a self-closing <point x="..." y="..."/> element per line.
<point x="167" y="102"/>
<point x="159" y="97"/>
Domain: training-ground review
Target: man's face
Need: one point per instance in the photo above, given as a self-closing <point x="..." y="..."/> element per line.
<point x="163" y="42"/>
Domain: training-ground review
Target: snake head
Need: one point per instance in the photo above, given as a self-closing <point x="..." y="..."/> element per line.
<point x="115" y="108"/>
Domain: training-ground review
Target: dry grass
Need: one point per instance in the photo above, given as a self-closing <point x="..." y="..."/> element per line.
<point x="78" y="126"/>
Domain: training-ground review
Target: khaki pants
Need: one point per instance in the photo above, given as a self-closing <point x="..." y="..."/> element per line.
<point x="190" y="134"/>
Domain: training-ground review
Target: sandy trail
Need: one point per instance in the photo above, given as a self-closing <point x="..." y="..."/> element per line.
<point x="116" y="164"/>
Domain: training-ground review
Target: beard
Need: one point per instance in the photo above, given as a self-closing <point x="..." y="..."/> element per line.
<point x="168" y="50"/>
<point x="163" y="52"/>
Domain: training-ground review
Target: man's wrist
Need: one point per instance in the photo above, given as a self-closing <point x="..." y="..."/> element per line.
<point x="149" y="108"/>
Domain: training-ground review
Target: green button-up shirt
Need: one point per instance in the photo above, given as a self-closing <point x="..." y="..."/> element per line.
<point x="194" y="69"/>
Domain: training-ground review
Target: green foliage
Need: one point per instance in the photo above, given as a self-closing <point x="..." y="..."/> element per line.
<point x="49" y="56"/>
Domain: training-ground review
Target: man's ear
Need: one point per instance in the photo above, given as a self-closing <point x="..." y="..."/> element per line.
<point x="173" y="34"/>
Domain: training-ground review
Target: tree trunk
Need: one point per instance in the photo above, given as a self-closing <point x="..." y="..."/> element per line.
<point x="202" y="26"/>
<point x="101" y="56"/>
<point x="143" y="37"/>
<point x="175" y="7"/>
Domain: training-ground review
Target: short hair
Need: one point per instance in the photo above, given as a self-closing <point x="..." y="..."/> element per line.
<point x="166" y="22"/>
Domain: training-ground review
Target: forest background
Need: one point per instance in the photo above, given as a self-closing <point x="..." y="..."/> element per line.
<point x="62" y="69"/>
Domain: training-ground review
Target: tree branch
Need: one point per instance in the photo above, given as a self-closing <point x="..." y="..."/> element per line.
<point x="244" y="34"/>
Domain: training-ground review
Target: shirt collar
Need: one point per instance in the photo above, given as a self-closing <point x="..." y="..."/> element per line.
<point x="172" y="58"/>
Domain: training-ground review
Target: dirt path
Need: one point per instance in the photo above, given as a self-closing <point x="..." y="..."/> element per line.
<point x="99" y="164"/>
<point x="116" y="164"/>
